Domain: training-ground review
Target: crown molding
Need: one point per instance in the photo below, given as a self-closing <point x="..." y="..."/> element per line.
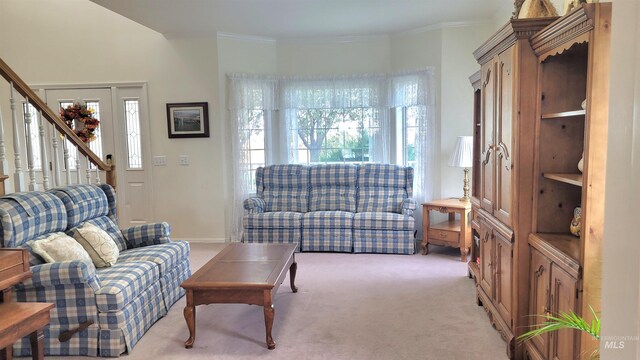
<point x="262" y="39"/>
<point x="333" y="39"/>
<point x="442" y="25"/>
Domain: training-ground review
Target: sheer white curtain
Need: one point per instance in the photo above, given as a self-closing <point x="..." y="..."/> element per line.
<point x="418" y="89"/>
<point x="366" y="92"/>
<point x="246" y="95"/>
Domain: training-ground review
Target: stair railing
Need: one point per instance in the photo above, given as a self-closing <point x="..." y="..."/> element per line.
<point x="60" y="132"/>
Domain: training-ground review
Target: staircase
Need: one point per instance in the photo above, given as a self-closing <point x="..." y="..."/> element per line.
<point x="52" y="133"/>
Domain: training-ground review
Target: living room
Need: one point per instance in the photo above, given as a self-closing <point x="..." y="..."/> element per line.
<point x="102" y="47"/>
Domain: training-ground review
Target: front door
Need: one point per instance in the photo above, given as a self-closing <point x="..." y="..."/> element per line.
<point x="122" y="134"/>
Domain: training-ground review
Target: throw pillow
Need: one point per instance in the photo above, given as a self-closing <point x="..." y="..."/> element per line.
<point x="59" y="247"/>
<point x="101" y="247"/>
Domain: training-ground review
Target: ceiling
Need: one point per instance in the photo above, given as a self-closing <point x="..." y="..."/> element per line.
<point x="299" y="18"/>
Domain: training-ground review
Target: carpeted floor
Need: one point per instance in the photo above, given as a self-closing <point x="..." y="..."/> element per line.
<point x="349" y="306"/>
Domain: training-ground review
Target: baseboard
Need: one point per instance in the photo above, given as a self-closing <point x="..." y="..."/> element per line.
<point x="203" y="240"/>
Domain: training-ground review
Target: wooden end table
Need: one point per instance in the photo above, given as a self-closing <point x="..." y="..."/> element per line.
<point x="454" y="232"/>
<point x="18" y="320"/>
<point x="241" y="274"/>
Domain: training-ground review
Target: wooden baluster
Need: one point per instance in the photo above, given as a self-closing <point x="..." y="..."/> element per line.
<point x="18" y="177"/>
<point x="65" y="148"/>
<point x="55" y="156"/>
<point x="29" y="144"/>
<point x="44" y="161"/>
<point x="97" y="175"/>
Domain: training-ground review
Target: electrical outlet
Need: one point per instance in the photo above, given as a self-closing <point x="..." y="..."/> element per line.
<point x="160" y="160"/>
<point x="183" y="160"/>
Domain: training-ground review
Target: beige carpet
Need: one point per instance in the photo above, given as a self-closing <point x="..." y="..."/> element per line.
<point x="349" y="306"/>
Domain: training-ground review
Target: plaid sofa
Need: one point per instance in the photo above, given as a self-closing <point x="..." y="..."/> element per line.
<point x="334" y="207"/>
<point x="123" y="300"/>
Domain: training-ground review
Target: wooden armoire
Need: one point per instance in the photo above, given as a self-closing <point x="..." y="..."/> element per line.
<point x="541" y="102"/>
<point x="503" y="173"/>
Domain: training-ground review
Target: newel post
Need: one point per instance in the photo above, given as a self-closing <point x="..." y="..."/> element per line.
<point x="111" y="173"/>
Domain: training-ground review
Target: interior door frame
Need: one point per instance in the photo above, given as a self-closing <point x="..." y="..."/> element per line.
<point x="119" y="125"/>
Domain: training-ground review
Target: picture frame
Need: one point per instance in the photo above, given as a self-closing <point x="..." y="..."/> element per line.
<point x="188" y="120"/>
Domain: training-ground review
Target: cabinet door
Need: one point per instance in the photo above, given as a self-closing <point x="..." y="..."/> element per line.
<point x="563" y="299"/>
<point x="539" y="280"/>
<point x="487" y="135"/>
<point x="503" y="270"/>
<point x="504" y="135"/>
<point x="486" y="259"/>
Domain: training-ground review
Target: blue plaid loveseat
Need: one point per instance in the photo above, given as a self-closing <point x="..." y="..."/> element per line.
<point x="364" y="208"/>
<point x="120" y="302"/>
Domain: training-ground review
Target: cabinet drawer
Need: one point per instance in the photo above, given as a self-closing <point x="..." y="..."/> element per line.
<point x="9" y="259"/>
<point x="451" y="237"/>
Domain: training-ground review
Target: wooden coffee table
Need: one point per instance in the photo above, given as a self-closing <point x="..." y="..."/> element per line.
<point x="244" y="274"/>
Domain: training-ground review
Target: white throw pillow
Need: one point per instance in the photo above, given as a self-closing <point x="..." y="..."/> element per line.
<point x="101" y="247"/>
<point x="59" y="247"/>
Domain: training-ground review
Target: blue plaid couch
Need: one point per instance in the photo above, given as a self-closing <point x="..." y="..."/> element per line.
<point x="334" y="207"/>
<point x="123" y="301"/>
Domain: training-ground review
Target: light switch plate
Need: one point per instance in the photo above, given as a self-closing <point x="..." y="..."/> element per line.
<point x="160" y="160"/>
<point x="183" y="160"/>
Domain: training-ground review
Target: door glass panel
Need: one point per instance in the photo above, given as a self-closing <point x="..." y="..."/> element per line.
<point x="73" y="152"/>
<point x="134" y="146"/>
<point x="96" y="144"/>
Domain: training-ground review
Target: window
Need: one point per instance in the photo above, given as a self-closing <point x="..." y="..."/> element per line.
<point x="252" y="132"/>
<point x="406" y="138"/>
<point x="96" y="144"/>
<point x="333" y="135"/>
<point x="73" y="152"/>
<point x="132" y="128"/>
<point x="332" y="120"/>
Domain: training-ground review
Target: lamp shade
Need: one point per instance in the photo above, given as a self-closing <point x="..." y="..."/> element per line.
<point x="462" y="156"/>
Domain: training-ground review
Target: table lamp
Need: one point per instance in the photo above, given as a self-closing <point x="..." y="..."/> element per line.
<point x="462" y="157"/>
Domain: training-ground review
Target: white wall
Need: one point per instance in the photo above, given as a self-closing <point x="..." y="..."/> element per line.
<point x="101" y="46"/>
<point x="621" y="248"/>
<point x="317" y="57"/>
<point x="448" y="49"/>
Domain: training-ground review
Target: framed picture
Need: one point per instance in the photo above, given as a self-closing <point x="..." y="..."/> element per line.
<point x="188" y="120"/>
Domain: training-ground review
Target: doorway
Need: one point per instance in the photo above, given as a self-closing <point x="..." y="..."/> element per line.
<point x="123" y="133"/>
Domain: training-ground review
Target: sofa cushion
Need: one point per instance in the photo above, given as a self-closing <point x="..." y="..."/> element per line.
<point x="386" y="175"/>
<point x="383" y="221"/>
<point x="123" y="282"/>
<point x="98" y="243"/>
<point x="26" y="216"/>
<point x="380" y="199"/>
<point x="328" y="219"/>
<point x="382" y="187"/>
<point x="273" y="220"/>
<point x="58" y="247"/>
<point x="333" y="187"/>
<point x="82" y="202"/>
<point x="89" y="203"/>
<point x="167" y="256"/>
<point x="284" y="187"/>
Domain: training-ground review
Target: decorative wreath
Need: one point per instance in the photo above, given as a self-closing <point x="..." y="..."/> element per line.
<point x="78" y="113"/>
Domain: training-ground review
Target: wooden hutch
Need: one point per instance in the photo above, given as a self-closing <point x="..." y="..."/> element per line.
<point x="529" y="134"/>
<point x="571" y="120"/>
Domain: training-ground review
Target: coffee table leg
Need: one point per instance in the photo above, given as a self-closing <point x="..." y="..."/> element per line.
<point x="269" y="314"/>
<point x="292" y="276"/>
<point x="190" y="317"/>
